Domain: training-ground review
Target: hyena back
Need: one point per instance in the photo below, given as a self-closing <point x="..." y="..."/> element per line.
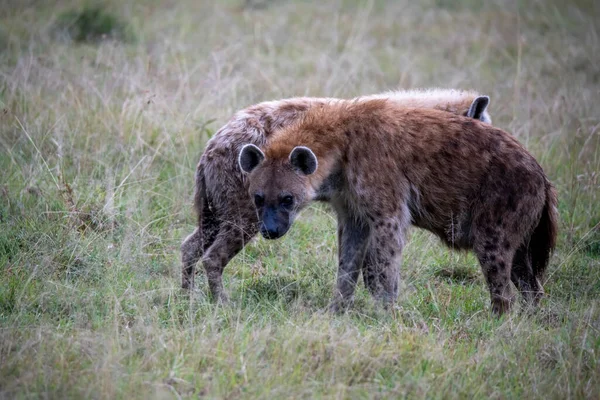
<point x="227" y="218"/>
<point x="471" y="184"/>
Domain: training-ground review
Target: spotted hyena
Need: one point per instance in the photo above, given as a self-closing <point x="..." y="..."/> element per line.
<point x="227" y="218"/>
<point x="471" y="184"/>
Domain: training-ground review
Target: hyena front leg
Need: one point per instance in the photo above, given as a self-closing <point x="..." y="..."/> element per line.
<point x="353" y="238"/>
<point x="381" y="271"/>
<point x="381" y="276"/>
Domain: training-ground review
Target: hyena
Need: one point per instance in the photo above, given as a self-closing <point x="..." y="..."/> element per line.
<point x="227" y="218"/>
<point x="471" y="184"/>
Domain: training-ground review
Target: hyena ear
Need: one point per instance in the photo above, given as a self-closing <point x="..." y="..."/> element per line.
<point x="304" y="159"/>
<point x="250" y="157"/>
<point x="478" y="107"/>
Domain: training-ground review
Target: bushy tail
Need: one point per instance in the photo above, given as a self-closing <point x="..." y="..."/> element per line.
<point x="543" y="239"/>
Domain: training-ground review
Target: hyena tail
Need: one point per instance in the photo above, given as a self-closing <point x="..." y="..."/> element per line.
<point x="200" y="200"/>
<point x="208" y="217"/>
<point x="543" y="239"/>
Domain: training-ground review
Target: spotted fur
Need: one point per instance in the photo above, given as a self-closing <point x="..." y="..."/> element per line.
<point x="471" y="184"/>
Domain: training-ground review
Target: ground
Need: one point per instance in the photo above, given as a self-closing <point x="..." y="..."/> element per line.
<point x="99" y="138"/>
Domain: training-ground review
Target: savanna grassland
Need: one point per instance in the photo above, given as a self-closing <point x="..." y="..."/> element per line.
<point x="104" y="112"/>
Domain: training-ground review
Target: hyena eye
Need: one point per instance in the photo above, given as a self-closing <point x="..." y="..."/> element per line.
<point x="259" y="200"/>
<point x="287" y="201"/>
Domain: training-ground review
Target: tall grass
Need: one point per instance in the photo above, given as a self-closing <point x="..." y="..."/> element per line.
<point x="99" y="143"/>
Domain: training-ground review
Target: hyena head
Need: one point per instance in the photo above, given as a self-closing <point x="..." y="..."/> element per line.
<point x="278" y="187"/>
<point x="478" y="109"/>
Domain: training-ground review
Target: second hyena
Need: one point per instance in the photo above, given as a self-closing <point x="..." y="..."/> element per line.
<point x="384" y="167"/>
<point x="227" y="218"/>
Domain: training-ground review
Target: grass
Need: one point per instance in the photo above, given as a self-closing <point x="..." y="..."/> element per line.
<point x="99" y="143"/>
<point x="91" y="24"/>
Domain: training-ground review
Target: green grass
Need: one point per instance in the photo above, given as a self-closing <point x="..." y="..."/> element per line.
<point x="98" y="146"/>
<point x="91" y="24"/>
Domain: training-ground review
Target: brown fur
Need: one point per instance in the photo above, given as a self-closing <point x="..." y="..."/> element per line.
<point x="226" y="216"/>
<point x="471" y="184"/>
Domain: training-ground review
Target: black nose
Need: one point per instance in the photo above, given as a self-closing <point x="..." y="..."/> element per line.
<point x="272" y="233"/>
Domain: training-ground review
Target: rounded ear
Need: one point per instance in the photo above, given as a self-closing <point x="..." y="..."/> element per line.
<point x="250" y="157"/>
<point x="304" y="159"/>
<point x="478" y="107"/>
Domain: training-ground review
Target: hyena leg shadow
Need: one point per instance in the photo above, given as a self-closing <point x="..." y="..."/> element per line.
<point x="381" y="267"/>
<point x="353" y="238"/>
<point x="523" y="277"/>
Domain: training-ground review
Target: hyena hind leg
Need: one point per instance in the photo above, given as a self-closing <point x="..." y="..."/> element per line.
<point x="229" y="241"/>
<point x="523" y="277"/>
<point x="496" y="264"/>
<point x="194" y="246"/>
<point x="191" y="251"/>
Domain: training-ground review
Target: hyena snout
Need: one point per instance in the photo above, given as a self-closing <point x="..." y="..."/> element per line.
<point x="274" y="223"/>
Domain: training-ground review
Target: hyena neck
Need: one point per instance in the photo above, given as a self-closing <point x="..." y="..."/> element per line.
<point x="329" y="186"/>
<point x="327" y="130"/>
<point x="325" y="181"/>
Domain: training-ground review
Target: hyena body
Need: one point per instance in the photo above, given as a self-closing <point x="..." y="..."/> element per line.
<point x="227" y="219"/>
<point x="385" y="167"/>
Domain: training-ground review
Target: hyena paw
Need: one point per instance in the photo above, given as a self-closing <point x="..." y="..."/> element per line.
<point x="186" y="284"/>
<point x="500" y="306"/>
<point x="339" y="306"/>
<point x="222" y="298"/>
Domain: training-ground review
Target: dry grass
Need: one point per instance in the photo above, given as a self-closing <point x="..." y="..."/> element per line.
<point x="98" y="147"/>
